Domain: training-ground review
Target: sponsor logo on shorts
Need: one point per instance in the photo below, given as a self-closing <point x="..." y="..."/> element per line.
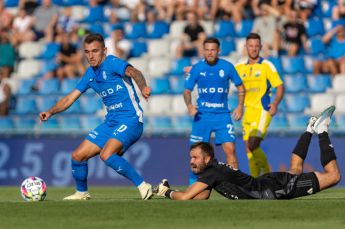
<point x="310" y="191"/>
<point x="213" y="105"/>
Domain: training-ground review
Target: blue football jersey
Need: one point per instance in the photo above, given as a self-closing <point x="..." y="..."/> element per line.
<point x="115" y="88"/>
<point x="213" y="82"/>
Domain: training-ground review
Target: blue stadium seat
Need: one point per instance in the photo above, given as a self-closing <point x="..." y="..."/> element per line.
<point x="244" y="28"/>
<point x="138" y="48"/>
<point x="160" y="123"/>
<point x="227" y="46"/>
<point x="295" y="83"/>
<point x="6" y="123"/>
<point x="49" y="51"/>
<point x="11" y="3"/>
<point x="223" y="29"/>
<point x="90" y="104"/>
<point x="25" y="86"/>
<point x="182" y="123"/>
<point x="314" y="27"/>
<point x="68" y="2"/>
<point x="297" y="121"/>
<point x="293" y="65"/>
<point x="178" y="65"/>
<point x="94" y="14"/>
<point x="49" y="86"/>
<point x="158" y="30"/>
<point x="160" y="86"/>
<point x="24" y="122"/>
<point x="233" y="101"/>
<point x="25" y="105"/>
<point x="340" y="119"/>
<point x="277" y="64"/>
<point x="52" y="123"/>
<point x="44" y="103"/>
<point x="296" y="102"/>
<point x="75" y="108"/>
<point x="69" y="122"/>
<point x="279" y="122"/>
<point x="319" y="83"/>
<point x="97" y="28"/>
<point x="135" y="30"/>
<point x="316" y="45"/>
<point x="68" y="85"/>
<point x="176" y="84"/>
<point x="90" y="122"/>
<point x="326" y="7"/>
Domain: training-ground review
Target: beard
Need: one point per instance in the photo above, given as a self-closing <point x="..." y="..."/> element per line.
<point x="197" y="169"/>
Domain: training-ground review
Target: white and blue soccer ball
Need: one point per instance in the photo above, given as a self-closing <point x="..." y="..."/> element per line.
<point x="33" y="189"/>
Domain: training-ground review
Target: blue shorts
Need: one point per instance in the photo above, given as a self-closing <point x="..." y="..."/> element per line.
<point x="125" y="131"/>
<point x="206" y="123"/>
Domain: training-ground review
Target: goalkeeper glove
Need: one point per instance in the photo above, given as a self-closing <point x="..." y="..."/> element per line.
<point x="161" y="188"/>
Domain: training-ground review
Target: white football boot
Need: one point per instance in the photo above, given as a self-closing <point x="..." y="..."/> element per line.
<point x="323" y="121"/>
<point x="145" y="190"/>
<point x="79" y="196"/>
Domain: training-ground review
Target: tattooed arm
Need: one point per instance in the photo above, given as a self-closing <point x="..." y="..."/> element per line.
<point x="139" y="80"/>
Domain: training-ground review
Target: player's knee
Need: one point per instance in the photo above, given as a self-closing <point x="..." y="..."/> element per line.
<point x="336" y="177"/>
<point x="253" y="146"/>
<point x="77" y="156"/>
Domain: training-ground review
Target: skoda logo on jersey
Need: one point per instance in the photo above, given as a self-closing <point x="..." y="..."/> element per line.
<point x="221" y="73"/>
<point x="257" y="73"/>
<point x="104" y="75"/>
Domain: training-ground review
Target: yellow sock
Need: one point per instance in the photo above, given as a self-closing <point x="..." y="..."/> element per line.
<point x="254" y="168"/>
<point x="262" y="160"/>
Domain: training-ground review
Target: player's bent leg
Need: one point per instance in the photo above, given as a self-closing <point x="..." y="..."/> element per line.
<point x="230" y="153"/>
<point x="80" y="156"/>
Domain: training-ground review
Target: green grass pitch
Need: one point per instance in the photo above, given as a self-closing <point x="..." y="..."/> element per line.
<point x="121" y="207"/>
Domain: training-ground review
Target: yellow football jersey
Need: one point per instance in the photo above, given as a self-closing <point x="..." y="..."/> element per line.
<point x="258" y="79"/>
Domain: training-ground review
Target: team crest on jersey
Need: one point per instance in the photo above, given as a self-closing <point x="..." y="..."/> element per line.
<point x="221" y="73"/>
<point x="104" y="75"/>
<point x="244" y="75"/>
<point x="257" y="73"/>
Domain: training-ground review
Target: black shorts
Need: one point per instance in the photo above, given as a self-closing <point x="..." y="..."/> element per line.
<point x="285" y="185"/>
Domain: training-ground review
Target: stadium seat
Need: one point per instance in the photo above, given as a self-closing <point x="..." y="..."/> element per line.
<point x="159" y="29"/>
<point x="295" y="83"/>
<point x="140" y="63"/>
<point x="30" y="49"/>
<point x="159" y="105"/>
<point x="182" y="123"/>
<point x="318" y="102"/>
<point x="340" y="120"/>
<point x="160" y="86"/>
<point x="28" y="68"/>
<point x="97" y="28"/>
<point x="90" y="122"/>
<point x="69" y="122"/>
<point x="244" y="28"/>
<point x="138" y="48"/>
<point x="49" y="86"/>
<point x="160" y="124"/>
<point x="50" y="124"/>
<point x="176" y="28"/>
<point x="318" y="83"/>
<point x="94" y="14"/>
<point x="296" y="102"/>
<point x="44" y="103"/>
<point x="223" y="29"/>
<point x="158" y="48"/>
<point x="158" y="67"/>
<point x="314" y="27"/>
<point x="25" y="86"/>
<point x="292" y="65"/>
<point x="25" y="105"/>
<point x="68" y="85"/>
<point x="11" y="3"/>
<point x="208" y="27"/>
<point x="279" y="122"/>
<point x="176" y="84"/>
<point x="308" y="64"/>
<point x="6" y="123"/>
<point x="135" y="30"/>
<point x="178" y="65"/>
<point x="27" y="123"/>
<point x="297" y="121"/>
<point x="227" y="46"/>
<point x="316" y="45"/>
<point x="340" y="103"/>
<point x="326" y="7"/>
<point x="277" y="64"/>
<point x="233" y="102"/>
<point x="178" y="105"/>
<point x="75" y="108"/>
<point x="49" y="51"/>
<point x="339" y="84"/>
<point x="90" y="104"/>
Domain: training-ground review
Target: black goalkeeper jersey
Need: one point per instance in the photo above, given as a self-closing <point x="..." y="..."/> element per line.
<point x="234" y="184"/>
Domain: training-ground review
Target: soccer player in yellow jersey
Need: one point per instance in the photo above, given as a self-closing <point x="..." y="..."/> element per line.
<point x="258" y="76"/>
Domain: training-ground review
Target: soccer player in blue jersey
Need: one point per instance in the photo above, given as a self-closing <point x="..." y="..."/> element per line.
<point x="111" y="78"/>
<point x="212" y="76"/>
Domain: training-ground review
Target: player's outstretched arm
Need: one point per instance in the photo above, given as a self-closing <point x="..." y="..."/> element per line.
<point x="238" y="112"/>
<point x="61" y="105"/>
<point x="279" y="96"/>
<point x="139" y="80"/>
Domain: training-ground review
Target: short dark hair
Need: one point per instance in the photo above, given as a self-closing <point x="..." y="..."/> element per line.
<point x="253" y="36"/>
<point x="206" y="148"/>
<point x="94" y="37"/>
<point x="211" y="40"/>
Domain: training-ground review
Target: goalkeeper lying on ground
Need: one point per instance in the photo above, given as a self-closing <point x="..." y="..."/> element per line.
<point x="234" y="184"/>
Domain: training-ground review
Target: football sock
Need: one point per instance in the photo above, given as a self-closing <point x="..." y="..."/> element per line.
<point x="122" y="167"/>
<point x="327" y="153"/>
<point x="79" y="172"/>
<point x="301" y="148"/>
<point x="254" y="168"/>
<point x="261" y="160"/>
<point x="192" y="177"/>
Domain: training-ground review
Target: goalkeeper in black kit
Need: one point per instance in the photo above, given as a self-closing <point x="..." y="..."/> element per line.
<point x="234" y="184"/>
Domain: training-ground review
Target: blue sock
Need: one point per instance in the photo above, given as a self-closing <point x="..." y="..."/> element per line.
<point x="192" y="177"/>
<point x="122" y="167"/>
<point x="79" y="172"/>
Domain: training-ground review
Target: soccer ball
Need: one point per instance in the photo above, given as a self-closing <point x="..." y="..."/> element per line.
<point x="33" y="189"/>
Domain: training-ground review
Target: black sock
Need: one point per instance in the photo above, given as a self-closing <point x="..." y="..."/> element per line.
<point x="327" y="153"/>
<point x="301" y="148"/>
